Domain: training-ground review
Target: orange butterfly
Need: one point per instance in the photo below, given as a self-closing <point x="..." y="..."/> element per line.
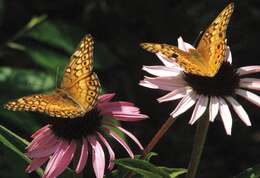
<point x="207" y="58"/>
<point x="78" y="92"/>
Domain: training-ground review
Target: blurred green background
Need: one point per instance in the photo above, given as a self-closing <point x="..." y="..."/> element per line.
<point x="37" y="38"/>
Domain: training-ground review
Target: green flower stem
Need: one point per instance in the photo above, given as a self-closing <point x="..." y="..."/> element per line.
<point x="167" y="124"/>
<point x="198" y="145"/>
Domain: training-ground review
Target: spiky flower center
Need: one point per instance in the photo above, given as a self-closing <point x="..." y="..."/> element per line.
<point x="76" y="128"/>
<point x="223" y="83"/>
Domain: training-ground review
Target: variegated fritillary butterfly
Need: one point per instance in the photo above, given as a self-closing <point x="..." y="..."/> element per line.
<point x="78" y="92"/>
<point x="207" y="58"/>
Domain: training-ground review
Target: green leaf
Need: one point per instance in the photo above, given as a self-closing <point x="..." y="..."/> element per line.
<point x="47" y="58"/>
<point x="253" y="172"/>
<point x="17" y="137"/>
<point x="35" y="21"/>
<point x="174" y="172"/>
<point x="142" y="167"/>
<point x="150" y="155"/>
<point x="12" y="147"/>
<point x="25" y="80"/>
<point x="53" y="34"/>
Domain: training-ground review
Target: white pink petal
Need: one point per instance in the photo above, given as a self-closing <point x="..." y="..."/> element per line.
<point x="175" y="94"/>
<point x="213" y="108"/>
<point x="253" y="98"/>
<point x="199" y="109"/>
<point x="162" y="71"/>
<point x="238" y="108"/>
<point x="248" y="70"/>
<point x="225" y="115"/>
<point x="250" y="83"/>
<point x="186" y="103"/>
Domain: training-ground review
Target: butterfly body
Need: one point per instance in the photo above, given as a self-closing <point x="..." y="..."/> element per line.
<point x="207" y="57"/>
<point x="77" y="94"/>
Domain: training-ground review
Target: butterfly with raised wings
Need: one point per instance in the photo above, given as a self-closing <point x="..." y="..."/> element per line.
<point x="207" y="57"/>
<point x="77" y="94"/>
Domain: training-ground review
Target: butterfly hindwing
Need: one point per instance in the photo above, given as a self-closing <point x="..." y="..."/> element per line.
<point x="56" y="104"/>
<point x="212" y="45"/>
<point x="190" y="61"/>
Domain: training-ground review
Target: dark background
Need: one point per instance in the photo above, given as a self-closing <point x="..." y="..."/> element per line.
<point x="30" y="57"/>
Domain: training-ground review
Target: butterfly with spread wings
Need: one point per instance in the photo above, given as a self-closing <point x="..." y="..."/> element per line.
<point x="207" y="58"/>
<point x="77" y="94"/>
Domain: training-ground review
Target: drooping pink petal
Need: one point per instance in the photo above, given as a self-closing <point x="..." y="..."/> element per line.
<point x="174" y="95"/>
<point x="162" y="71"/>
<point x="225" y="115"/>
<point x="110" y="151"/>
<point x="253" y="98"/>
<point x="62" y="145"/>
<point x="167" y="62"/>
<point x="248" y="70"/>
<point x="45" y="142"/>
<point x="36" y="163"/>
<point x="183" y="45"/>
<point x="129" y="135"/>
<point x="121" y="141"/>
<point x="40" y="137"/>
<point x="239" y="110"/>
<point x="65" y="155"/>
<point x="147" y="84"/>
<point x="105" y="97"/>
<point x="98" y="157"/>
<point x="250" y="83"/>
<point x="40" y="131"/>
<point x="167" y="83"/>
<point x="199" y="109"/>
<point x="44" y="151"/>
<point x="228" y="55"/>
<point x="187" y="102"/>
<point x="213" y="108"/>
<point x="83" y="156"/>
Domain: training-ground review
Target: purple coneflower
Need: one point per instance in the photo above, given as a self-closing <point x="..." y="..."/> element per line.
<point x="213" y="93"/>
<point x="58" y="141"/>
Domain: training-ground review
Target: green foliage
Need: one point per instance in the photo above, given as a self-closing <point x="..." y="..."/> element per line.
<point x="253" y="172"/>
<point x="148" y="170"/>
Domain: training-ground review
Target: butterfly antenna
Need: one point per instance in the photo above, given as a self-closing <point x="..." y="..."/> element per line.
<point x="196" y="42"/>
<point x="57" y="76"/>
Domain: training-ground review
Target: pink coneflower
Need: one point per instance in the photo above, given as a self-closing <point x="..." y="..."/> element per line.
<point x="58" y="141"/>
<point x="212" y="92"/>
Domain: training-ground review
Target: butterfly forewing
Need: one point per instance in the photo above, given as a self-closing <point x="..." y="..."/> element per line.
<point x="212" y="45"/>
<point x="80" y="83"/>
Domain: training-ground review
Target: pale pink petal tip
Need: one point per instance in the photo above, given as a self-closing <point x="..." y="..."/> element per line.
<point x="253" y="98"/>
<point x="213" y="108"/>
<point x="98" y="157"/>
<point x="248" y="70"/>
<point x="105" y="97"/>
<point x="228" y="56"/>
<point x="167" y="62"/>
<point x="183" y="45"/>
<point x="250" y="83"/>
